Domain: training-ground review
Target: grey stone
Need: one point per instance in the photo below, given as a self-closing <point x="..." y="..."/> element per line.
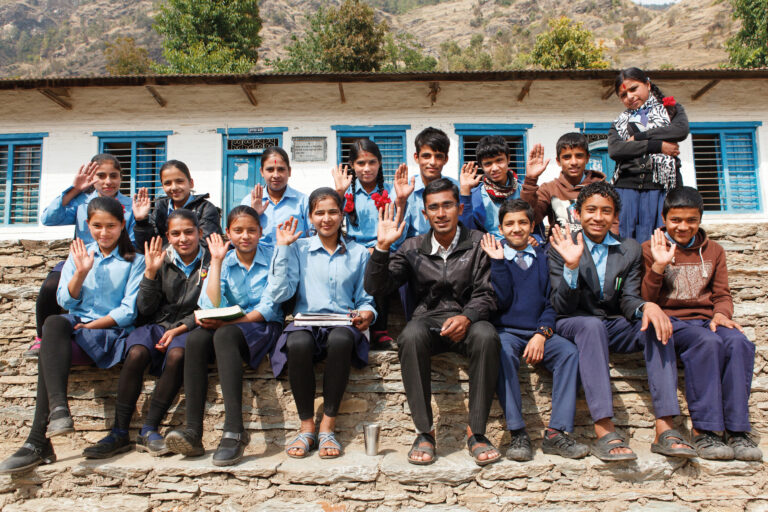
<point x="507" y="469"/>
<point x="657" y="506"/>
<point x="717" y="468"/>
<point x="453" y="468"/>
<point x="277" y="505"/>
<point x="112" y="503"/>
<point x="648" y="466"/>
<point x="353" y="466"/>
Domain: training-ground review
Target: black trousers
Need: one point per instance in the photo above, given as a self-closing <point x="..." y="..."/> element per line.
<point x="420" y="340"/>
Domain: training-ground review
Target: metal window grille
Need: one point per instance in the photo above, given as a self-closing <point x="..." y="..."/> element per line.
<point x="392" y="149"/>
<point x="251" y="144"/>
<point x="20" y="166"/>
<point x="141" y="160"/>
<point x="516" y="152"/>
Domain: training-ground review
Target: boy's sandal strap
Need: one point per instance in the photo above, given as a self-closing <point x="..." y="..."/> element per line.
<point x="671" y="437"/>
<point x="475" y="445"/>
<point x="603" y="446"/>
<point x="424" y="443"/>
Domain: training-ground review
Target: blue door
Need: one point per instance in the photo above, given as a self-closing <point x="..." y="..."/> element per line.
<point x="599" y="159"/>
<point x="242" y="175"/>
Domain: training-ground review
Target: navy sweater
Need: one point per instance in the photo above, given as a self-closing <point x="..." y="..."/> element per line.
<point x="523" y="295"/>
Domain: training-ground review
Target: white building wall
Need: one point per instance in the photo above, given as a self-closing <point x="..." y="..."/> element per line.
<point x="195" y="112"/>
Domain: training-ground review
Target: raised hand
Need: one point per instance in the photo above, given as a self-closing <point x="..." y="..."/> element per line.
<point x="341" y="178"/>
<point x="536" y="164"/>
<point x="403" y="186"/>
<point x="469" y="178"/>
<point x="286" y="232"/>
<point x="565" y="246"/>
<point x="141" y="204"/>
<point x="85" y="177"/>
<point x="217" y="247"/>
<point x="492" y="247"/>
<point x="662" y="254"/>
<point x="153" y="256"/>
<point x="388" y="231"/>
<point x="82" y="259"/>
<point x="257" y="203"/>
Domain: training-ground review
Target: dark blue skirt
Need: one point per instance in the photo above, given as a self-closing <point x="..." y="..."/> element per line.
<point x="104" y="346"/>
<point x="260" y="338"/>
<point x="279" y="355"/>
<point x="148" y="336"/>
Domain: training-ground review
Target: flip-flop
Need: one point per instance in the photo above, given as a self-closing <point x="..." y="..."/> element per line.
<point x="667" y="439"/>
<point x="304" y="438"/>
<point x="418" y="446"/>
<point x="474" y="446"/>
<point x="328" y="437"/>
<point x="603" y="446"/>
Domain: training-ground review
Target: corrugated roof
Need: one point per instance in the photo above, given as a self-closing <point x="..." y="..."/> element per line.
<point x="415" y="76"/>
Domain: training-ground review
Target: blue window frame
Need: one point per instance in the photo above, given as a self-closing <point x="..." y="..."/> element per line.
<point x="514" y="134"/>
<point x="726" y="164"/>
<point x="597" y="138"/>
<point x="20" y="167"/>
<point x="389" y="138"/>
<point x="141" y="154"/>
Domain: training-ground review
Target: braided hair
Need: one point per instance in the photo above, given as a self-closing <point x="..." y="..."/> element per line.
<point x="364" y="145"/>
<point x="639" y="75"/>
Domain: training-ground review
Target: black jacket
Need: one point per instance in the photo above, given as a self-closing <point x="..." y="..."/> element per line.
<point x="156" y="224"/>
<point x="632" y="156"/>
<point x="170" y="299"/>
<point x="620" y="298"/>
<point x="460" y="285"/>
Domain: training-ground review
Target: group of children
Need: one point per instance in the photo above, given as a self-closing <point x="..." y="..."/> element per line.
<point x="137" y="272"/>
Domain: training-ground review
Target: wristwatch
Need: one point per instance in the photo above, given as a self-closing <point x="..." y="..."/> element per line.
<point x="545" y="331"/>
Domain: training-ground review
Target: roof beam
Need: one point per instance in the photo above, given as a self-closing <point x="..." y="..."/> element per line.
<point x="607" y="93"/>
<point x="58" y="96"/>
<point x="249" y="90"/>
<point x="156" y="95"/>
<point x="341" y="93"/>
<point x="701" y="92"/>
<point x="525" y="91"/>
<point x="434" y="88"/>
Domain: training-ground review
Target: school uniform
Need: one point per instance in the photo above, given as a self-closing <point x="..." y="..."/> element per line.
<point x="521" y="283"/>
<point x="76" y="212"/>
<point x="718" y="365"/>
<point x="292" y="204"/>
<point x="481" y="211"/>
<point x="156" y="223"/>
<point x="599" y="307"/>
<point x="363" y="227"/>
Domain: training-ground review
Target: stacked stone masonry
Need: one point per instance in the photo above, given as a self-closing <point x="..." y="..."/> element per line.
<point x="267" y="480"/>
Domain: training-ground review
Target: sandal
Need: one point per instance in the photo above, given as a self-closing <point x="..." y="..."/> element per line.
<point x="328" y="437"/>
<point x="474" y="445"/>
<point x="424" y="443"/>
<point x="603" y="446"/>
<point x="304" y="438"/>
<point x="669" y="438"/>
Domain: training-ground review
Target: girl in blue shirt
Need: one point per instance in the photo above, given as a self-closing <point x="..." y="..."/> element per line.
<point x="99" y="284"/>
<point x="325" y="273"/>
<point x="235" y="278"/>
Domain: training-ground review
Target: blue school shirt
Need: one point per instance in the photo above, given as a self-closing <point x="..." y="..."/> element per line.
<point x="187" y="269"/>
<point x="364" y="233"/>
<point x="599" y="252"/>
<point x="481" y="212"/>
<point x="322" y="282"/>
<point x="171" y="208"/>
<point x="292" y="204"/>
<point x="76" y="212"/>
<point x="109" y="289"/>
<point x="417" y="223"/>
<point x="245" y="287"/>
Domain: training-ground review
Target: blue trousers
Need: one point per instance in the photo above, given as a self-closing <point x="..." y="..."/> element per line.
<point x="640" y="212"/>
<point x="715" y="403"/>
<point x="597" y="338"/>
<point x="561" y="358"/>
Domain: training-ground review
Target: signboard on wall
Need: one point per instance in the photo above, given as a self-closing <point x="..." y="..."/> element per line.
<point x="309" y="149"/>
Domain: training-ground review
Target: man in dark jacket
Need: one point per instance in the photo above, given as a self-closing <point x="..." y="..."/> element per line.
<point x="450" y="276"/>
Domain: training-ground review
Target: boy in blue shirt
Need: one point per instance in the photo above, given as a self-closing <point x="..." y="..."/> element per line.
<point x="525" y="320"/>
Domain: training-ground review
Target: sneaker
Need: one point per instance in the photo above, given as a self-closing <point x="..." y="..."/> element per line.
<point x="744" y="448"/>
<point x="28" y="457"/>
<point x="108" y="447"/>
<point x="33" y="352"/>
<point x="520" y="446"/>
<point x="711" y="446"/>
<point x="563" y="445"/>
<point x="153" y="443"/>
<point x="231" y="448"/>
<point x="186" y="442"/>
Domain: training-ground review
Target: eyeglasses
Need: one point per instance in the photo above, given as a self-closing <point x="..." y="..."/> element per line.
<point x="447" y="206"/>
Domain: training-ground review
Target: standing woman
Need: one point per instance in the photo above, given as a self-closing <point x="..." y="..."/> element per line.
<point x="236" y="278"/>
<point x="177" y="183"/>
<point x="325" y="273"/>
<point x="99" y="283"/>
<point x="168" y="295"/>
<point x="365" y="192"/>
<point x="643" y="141"/>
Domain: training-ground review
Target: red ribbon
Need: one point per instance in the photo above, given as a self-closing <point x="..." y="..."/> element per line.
<point x="381" y="200"/>
<point x="349" y="205"/>
<point x="668" y="101"/>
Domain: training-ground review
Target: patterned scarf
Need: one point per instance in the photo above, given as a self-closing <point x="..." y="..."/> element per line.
<point x="500" y="192"/>
<point x="651" y="115"/>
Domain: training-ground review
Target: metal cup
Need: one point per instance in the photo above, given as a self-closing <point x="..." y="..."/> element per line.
<point x="371" y="434"/>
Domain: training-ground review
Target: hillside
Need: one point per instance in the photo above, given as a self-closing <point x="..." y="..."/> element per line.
<point x="66" y="37"/>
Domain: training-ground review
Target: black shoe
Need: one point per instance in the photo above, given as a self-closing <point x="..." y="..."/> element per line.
<point x="520" y="447"/>
<point x="28" y="457"/>
<point x="744" y="448"/>
<point x="186" y="442"/>
<point x="563" y="445"/>
<point x="711" y="446"/>
<point x="231" y="448"/>
<point x="155" y="447"/>
<point x="61" y="424"/>
<point x="108" y="447"/>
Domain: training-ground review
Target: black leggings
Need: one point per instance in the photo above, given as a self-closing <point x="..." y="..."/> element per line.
<point x="301" y="371"/>
<point x="132" y="378"/>
<point x="47" y="304"/>
<point x="231" y="349"/>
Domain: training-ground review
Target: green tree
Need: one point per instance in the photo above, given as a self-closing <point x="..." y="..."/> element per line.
<point x="124" y="57"/>
<point x="566" y="45"/>
<point x="470" y="58"/>
<point x="748" y="48"/>
<point x="209" y="36"/>
<point x="404" y="53"/>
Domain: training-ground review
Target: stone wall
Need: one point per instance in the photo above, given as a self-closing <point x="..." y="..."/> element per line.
<point x="375" y="393"/>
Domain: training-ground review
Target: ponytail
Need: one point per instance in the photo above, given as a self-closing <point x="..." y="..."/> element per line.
<point x="113" y="207"/>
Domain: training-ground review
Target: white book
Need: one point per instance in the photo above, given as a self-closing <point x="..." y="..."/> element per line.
<point x="225" y="314"/>
<point x="322" y="319"/>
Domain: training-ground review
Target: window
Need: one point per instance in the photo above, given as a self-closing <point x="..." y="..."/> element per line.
<point x="141" y="154"/>
<point x="597" y="138"/>
<point x="20" y="166"/>
<point x="725" y="161"/>
<point x="390" y="139"/>
<point x="514" y="134"/>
